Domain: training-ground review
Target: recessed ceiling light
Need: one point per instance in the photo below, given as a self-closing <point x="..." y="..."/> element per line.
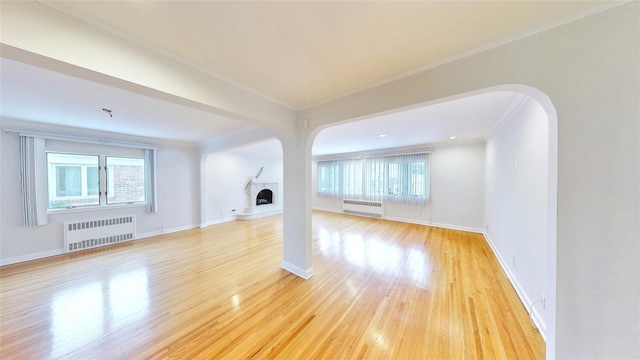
<point x="382" y="135"/>
<point x="451" y="137"/>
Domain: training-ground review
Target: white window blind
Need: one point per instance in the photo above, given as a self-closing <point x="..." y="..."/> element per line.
<point x="400" y="178"/>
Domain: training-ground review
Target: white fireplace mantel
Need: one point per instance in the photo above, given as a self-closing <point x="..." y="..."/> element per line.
<point x="254" y="211"/>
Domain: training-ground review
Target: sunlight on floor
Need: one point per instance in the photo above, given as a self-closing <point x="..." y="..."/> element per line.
<point x="385" y="257"/>
<point x="84" y="314"/>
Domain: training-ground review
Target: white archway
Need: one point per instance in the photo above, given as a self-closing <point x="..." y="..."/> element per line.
<point x="547" y="318"/>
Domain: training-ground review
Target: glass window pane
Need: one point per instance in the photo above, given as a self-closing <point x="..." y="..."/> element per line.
<point x="125" y="180"/>
<point x="68" y="180"/>
<point x="325" y="175"/>
<point x="93" y="182"/>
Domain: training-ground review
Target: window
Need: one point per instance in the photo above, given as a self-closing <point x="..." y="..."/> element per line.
<point x="403" y="178"/>
<point x="125" y="180"/>
<point x="375" y="178"/>
<point x="326" y="177"/>
<point x="69" y="182"/>
<point x="75" y="180"/>
<point x="93" y="182"/>
<point x="407" y="178"/>
<point x="393" y="184"/>
<point x="351" y="178"/>
<point x="416" y="184"/>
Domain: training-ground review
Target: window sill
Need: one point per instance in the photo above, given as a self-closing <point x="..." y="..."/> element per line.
<point x="94" y="208"/>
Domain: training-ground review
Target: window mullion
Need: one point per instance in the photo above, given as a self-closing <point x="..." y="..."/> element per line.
<point x="102" y="175"/>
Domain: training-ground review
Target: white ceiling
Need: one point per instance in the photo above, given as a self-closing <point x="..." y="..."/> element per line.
<point x="297" y="53"/>
<point x="302" y="53"/>
<point x="469" y="118"/>
<point x="270" y="148"/>
<point x="35" y="94"/>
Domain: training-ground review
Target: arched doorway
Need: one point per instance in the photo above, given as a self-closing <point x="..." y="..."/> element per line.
<point x="530" y="263"/>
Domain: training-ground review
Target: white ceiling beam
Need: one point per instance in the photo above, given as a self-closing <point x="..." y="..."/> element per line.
<point x="37" y="34"/>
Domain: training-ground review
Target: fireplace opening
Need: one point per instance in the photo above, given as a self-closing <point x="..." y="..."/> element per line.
<point x="264" y="197"/>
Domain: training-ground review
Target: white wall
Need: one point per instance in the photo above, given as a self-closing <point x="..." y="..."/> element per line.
<point x="178" y="189"/>
<point x="178" y="201"/>
<point x="516" y="205"/>
<point x="228" y="172"/>
<point x="457" y="180"/>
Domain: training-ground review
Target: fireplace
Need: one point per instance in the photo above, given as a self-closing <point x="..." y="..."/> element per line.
<point x="261" y="193"/>
<point x="264" y="197"/>
<point x="262" y="200"/>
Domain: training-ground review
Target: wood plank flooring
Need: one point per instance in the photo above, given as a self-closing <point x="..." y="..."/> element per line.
<point x="381" y="290"/>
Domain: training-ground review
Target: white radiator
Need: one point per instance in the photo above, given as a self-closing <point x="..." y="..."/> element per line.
<point x="94" y="233"/>
<point x="365" y="208"/>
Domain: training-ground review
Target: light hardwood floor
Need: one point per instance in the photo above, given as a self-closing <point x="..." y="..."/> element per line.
<point x="381" y="290"/>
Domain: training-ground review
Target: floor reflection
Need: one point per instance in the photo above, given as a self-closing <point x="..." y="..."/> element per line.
<point x="420" y="267"/>
<point x="380" y="255"/>
<point x="128" y="297"/>
<point x="77" y="318"/>
<point x="86" y="313"/>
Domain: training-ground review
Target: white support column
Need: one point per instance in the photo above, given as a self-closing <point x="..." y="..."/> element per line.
<point x="297" y="252"/>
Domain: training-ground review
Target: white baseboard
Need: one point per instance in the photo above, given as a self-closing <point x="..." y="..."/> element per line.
<point x="218" y="221"/>
<point x="526" y="301"/>
<point x="166" y="231"/>
<point x="298" y="271"/>
<point x="457" y="227"/>
<point x="327" y="210"/>
<point x="439" y="225"/>
<point x="408" y="221"/>
<point x="29" y="257"/>
<point x="414" y="221"/>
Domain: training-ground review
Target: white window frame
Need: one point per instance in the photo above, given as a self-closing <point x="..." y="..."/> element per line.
<point x="110" y="179"/>
<point x="84" y="181"/>
<point x="104" y="185"/>
<point x="52" y="176"/>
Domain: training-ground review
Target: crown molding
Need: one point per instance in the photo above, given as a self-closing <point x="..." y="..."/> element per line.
<point x="515" y="105"/>
<point x="68" y="133"/>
